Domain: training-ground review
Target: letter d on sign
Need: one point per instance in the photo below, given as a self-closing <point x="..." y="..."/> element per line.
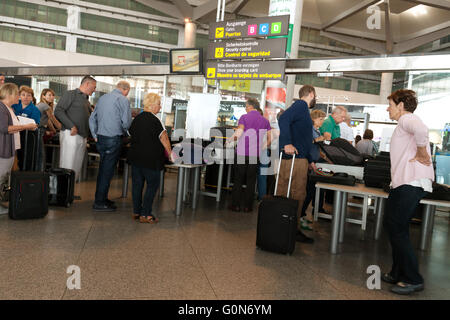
<point x="74" y="281"/>
<point x="374" y="281"/>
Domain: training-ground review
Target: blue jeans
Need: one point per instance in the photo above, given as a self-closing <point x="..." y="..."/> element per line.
<point x="262" y="181"/>
<point x="139" y="177"/>
<point x="400" y="207"/>
<point x="109" y="150"/>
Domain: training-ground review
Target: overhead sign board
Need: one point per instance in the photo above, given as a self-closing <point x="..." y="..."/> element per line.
<point x="246" y="70"/>
<point x="250" y="28"/>
<point x="248" y="49"/>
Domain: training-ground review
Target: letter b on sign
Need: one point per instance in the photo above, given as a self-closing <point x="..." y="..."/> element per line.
<point x="74" y="281"/>
<point x="252" y="29"/>
<point x="374" y="281"/>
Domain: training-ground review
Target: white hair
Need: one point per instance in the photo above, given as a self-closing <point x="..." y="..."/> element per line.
<point x="338" y="110"/>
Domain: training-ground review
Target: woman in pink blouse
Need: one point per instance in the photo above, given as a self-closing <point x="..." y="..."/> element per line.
<point x="411" y="175"/>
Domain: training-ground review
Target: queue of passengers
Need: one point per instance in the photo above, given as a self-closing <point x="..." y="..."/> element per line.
<point x="297" y="130"/>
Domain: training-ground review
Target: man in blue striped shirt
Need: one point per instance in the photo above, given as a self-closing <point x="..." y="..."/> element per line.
<point x="108" y="123"/>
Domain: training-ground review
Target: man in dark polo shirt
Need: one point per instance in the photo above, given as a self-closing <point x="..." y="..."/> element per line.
<point x="73" y="110"/>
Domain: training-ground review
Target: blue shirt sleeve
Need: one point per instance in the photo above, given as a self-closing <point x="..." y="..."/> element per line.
<point x="126" y="113"/>
<point x="285" y="127"/>
<point x="93" y="123"/>
<point x="36" y="115"/>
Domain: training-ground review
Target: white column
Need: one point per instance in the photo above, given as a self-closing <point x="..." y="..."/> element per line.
<point x="295" y="9"/>
<point x="296" y="19"/>
<point x="190" y="31"/>
<point x="73" y="24"/>
<point x="387" y="79"/>
<point x="354" y="85"/>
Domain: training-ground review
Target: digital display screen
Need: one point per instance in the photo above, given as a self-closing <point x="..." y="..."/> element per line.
<point x="186" y="61"/>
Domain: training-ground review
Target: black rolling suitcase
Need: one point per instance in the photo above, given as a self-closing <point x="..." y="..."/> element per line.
<point x="61" y="187"/>
<point x="30" y="155"/>
<point x="29" y="195"/>
<point x="277" y="221"/>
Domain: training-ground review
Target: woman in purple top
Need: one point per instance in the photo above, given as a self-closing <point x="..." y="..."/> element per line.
<point x="252" y="128"/>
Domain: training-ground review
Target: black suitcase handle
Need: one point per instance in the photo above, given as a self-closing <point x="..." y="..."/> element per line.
<point x="290" y="175"/>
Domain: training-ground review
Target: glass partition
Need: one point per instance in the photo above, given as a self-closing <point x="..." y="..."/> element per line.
<point x="432" y="87"/>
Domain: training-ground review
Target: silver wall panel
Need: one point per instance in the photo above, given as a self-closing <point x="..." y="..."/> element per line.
<point x="385" y="63"/>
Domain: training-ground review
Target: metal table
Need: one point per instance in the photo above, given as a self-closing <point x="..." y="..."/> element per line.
<point x="340" y="208"/>
<point x="183" y="184"/>
<point x="428" y="218"/>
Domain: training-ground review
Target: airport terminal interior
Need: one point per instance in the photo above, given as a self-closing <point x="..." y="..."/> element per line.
<point x="354" y="53"/>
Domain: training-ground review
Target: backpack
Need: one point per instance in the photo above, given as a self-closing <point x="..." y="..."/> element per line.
<point x="341" y="152"/>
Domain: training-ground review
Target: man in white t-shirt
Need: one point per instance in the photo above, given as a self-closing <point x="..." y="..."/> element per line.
<point x="346" y="130"/>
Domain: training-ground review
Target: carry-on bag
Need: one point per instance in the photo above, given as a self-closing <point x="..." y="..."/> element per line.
<point x="377" y="173"/>
<point x="29" y="195"/>
<point x="277" y="220"/>
<point x="61" y="187"/>
<point x="341" y="152"/>
<point x="440" y="192"/>
<point x="332" y="177"/>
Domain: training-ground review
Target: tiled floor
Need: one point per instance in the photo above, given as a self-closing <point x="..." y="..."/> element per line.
<point x="208" y="253"/>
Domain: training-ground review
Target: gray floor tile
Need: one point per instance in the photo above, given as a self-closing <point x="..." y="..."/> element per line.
<point x="33" y="273"/>
<point x="207" y="253"/>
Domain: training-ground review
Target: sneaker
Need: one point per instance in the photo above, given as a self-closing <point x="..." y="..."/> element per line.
<point x="3" y="210"/>
<point x="304" y="224"/>
<point x="234" y="208"/>
<point x="386" y="277"/>
<point x="103" y="208"/>
<point x="111" y="204"/>
<point x="300" y="237"/>
<point x="404" y="288"/>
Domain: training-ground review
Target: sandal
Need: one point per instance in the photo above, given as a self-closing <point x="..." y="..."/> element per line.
<point x="135" y="216"/>
<point x="148" y="219"/>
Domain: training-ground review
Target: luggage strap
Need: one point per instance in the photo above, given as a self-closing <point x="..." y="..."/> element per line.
<point x="290" y="175"/>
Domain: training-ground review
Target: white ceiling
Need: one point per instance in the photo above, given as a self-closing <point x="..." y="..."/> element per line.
<point x="408" y="18"/>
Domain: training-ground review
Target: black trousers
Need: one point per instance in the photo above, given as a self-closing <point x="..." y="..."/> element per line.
<point x="244" y="174"/>
<point x="311" y="196"/>
<point x="400" y="207"/>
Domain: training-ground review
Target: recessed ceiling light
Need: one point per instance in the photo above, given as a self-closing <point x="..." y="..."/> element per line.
<point x="418" y="10"/>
